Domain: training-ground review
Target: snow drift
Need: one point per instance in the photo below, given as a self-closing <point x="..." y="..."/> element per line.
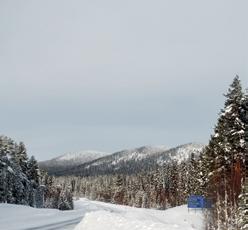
<point x="116" y="217"/>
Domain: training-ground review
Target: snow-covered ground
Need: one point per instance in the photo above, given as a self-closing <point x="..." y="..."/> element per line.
<point x="117" y="217"/>
<point x="96" y="215"/>
<point x="18" y="217"/>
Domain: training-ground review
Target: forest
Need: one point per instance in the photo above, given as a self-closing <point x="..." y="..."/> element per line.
<point x="22" y="182"/>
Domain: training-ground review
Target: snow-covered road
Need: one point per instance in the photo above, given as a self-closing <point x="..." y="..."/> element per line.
<point x="96" y="215"/>
<point x="66" y="225"/>
<point x="18" y="217"/>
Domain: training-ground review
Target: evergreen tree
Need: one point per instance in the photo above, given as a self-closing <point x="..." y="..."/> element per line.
<point x="33" y="171"/>
<point x="224" y="159"/>
<point x="243" y="204"/>
<point x="65" y="200"/>
<point x="22" y="156"/>
<point x="183" y="178"/>
<point x="193" y="178"/>
<point x="243" y="208"/>
<point x="20" y="181"/>
<point x="119" y="194"/>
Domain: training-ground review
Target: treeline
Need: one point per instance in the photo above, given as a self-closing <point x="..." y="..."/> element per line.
<point x="22" y="182"/>
<point x="167" y="186"/>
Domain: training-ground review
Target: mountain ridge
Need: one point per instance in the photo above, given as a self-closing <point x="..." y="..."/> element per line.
<point x="130" y="160"/>
<point x="70" y="160"/>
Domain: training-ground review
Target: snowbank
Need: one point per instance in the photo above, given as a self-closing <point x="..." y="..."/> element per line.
<point x="96" y="215"/>
<point x="116" y="217"/>
<point x="19" y="217"/>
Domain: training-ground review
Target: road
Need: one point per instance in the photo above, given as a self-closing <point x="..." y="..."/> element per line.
<point x="61" y="225"/>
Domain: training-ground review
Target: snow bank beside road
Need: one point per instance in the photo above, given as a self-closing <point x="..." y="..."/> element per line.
<point x="19" y="217"/>
<point x="116" y="217"/>
<point x="95" y="215"/>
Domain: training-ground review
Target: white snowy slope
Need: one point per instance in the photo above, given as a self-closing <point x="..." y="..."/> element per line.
<point x="135" y="160"/>
<point x="135" y="154"/>
<point x="138" y="154"/>
<point x="83" y="156"/>
<point x="96" y="215"/>
<point x="181" y="153"/>
<point x="71" y="159"/>
<point x="160" y="154"/>
<point x="117" y="217"/>
<point x="126" y="161"/>
<point x="19" y="217"/>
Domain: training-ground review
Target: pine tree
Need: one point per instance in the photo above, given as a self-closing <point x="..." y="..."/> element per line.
<point x="224" y="158"/>
<point x="3" y="172"/>
<point x="243" y="208"/>
<point x="119" y="190"/>
<point x="183" y="177"/>
<point x="65" y="200"/>
<point x="22" y="183"/>
<point x="22" y="156"/>
<point x="243" y="204"/>
<point x="33" y="170"/>
<point x="3" y="180"/>
<point x="193" y="178"/>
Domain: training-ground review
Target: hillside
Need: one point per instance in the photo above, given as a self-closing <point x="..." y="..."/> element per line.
<point x="132" y="161"/>
<point x="69" y="160"/>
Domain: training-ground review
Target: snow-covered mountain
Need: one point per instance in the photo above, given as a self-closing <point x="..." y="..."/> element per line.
<point x="180" y="153"/>
<point x="80" y="157"/>
<point x="68" y="160"/>
<point x="136" y="154"/>
<point x="133" y="160"/>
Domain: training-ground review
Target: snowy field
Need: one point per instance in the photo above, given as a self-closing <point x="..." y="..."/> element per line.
<point x="96" y="215"/>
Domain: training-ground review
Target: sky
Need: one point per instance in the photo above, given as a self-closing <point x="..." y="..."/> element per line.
<point x="110" y="75"/>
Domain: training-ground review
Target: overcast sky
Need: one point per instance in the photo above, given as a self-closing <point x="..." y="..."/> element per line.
<point x="109" y="75"/>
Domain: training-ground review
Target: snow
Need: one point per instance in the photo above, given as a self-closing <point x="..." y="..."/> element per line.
<point x="19" y="217"/>
<point x="228" y="108"/>
<point x="182" y="153"/>
<point x="139" y="153"/>
<point x="84" y="154"/>
<point x="216" y="135"/>
<point x="117" y="217"/>
<point x="10" y="170"/>
<point x="161" y="153"/>
<point x="72" y="159"/>
<point x="97" y="215"/>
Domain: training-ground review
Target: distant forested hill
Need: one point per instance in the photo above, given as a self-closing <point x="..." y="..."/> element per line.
<point x="126" y="162"/>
